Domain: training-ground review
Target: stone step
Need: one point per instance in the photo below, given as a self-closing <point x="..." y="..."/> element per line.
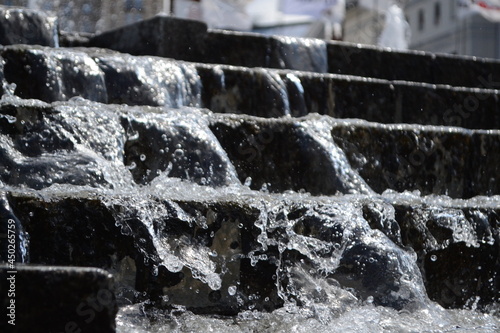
<point x="144" y="145"/>
<point x="52" y="75"/>
<point x="46" y="298"/>
<point x="250" y="240"/>
<point x="431" y="159"/>
<point x="238" y="181"/>
<point x="191" y="40"/>
<point x="25" y="26"/>
<point x="166" y="37"/>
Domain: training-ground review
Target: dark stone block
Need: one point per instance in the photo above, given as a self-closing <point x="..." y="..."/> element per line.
<point x="414" y="66"/>
<point x="171" y="145"/>
<point x="254" y="50"/>
<point x="14" y="241"/>
<point x="433" y="160"/>
<point x="446" y="106"/>
<point x="463" y="276"/>
<point x="273" y="93"/>
<point x="257" y="92"/>
<point x="457" y="245"/>
<point x="148" y="80"/>
<point x="44" y="144"/>
<point x="57" y="299"/>
<point x="256" y="148"/>
<point x="237" y="49"/>
<point x="298" y="54"/>
<point x="53" y="74"/>
<point x="25" y="26"/>
<point x="166" y="256"/>
<point x="162" y="36"/>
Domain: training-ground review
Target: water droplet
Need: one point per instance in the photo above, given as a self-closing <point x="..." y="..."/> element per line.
<point x="434" y="257"/>
<point x="133" y="136"/>
<point x="248" y="181"/>
<point x="231" y="290"/>
<point x="214" y="281"/>
<point x="179" y="153"/>
<point x="10" y="119"/>
<point x="142" y="157"/>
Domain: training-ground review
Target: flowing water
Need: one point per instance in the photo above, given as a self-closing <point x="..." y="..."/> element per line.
<point x="230" y="222"/>
<point x="82" y="153"/>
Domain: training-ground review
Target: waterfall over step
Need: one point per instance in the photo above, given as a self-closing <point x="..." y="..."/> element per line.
<point x="167" y="177"/>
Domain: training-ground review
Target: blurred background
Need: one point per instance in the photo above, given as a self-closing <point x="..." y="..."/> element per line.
<point x="465" y="27"/>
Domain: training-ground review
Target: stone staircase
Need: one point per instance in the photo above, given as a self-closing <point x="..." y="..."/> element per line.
<point x="271" y="152"/>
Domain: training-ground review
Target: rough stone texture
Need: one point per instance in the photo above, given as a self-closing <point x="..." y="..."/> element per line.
<point x="81" y="143"/>
<point x="154" y="196"/>
<point x="151" y="81"/>
<point x="108" y="236"/>
<point x="457" y="244"/>
<point x="187" y="40"/>
<point x="161" y="36"/>
<point x="127" y="234"/>
<point x="24" y="26"/>
<point x="244" y="237"/>
<point x="253" y="50"/>
<point x="59" y="299"/>
<point x="257" y="92"/>
<point x="52" y="75"/>
<point x="395" y="102"/>
<point x="257" y="149"/>
<point x="273" y="93"/>
<point x="177" y="147"/>
<point x="55" y="75"/>
<point x="41" y="145"/>
<point x="415" y="66"/>
<point x="433" y="160"/>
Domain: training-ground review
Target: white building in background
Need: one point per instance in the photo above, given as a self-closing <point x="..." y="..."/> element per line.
<point x="442" y="26"/>
<point x="445" y="26"/>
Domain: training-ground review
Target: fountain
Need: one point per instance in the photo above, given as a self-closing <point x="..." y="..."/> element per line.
<point x="167" y="177"/>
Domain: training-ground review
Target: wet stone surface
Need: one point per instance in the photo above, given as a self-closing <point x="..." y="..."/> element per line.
<point x="23" y="26"/>
<point x="58" y="299"/>
<point x="238" y="185"/>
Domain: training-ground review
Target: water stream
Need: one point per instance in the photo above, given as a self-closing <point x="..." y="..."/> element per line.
<point x="218" y="211"/>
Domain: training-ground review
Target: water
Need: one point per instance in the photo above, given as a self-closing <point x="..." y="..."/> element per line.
<point x="286" y="238"/>
<point x="323" y="266"/>
<point x="357" y="318"/>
